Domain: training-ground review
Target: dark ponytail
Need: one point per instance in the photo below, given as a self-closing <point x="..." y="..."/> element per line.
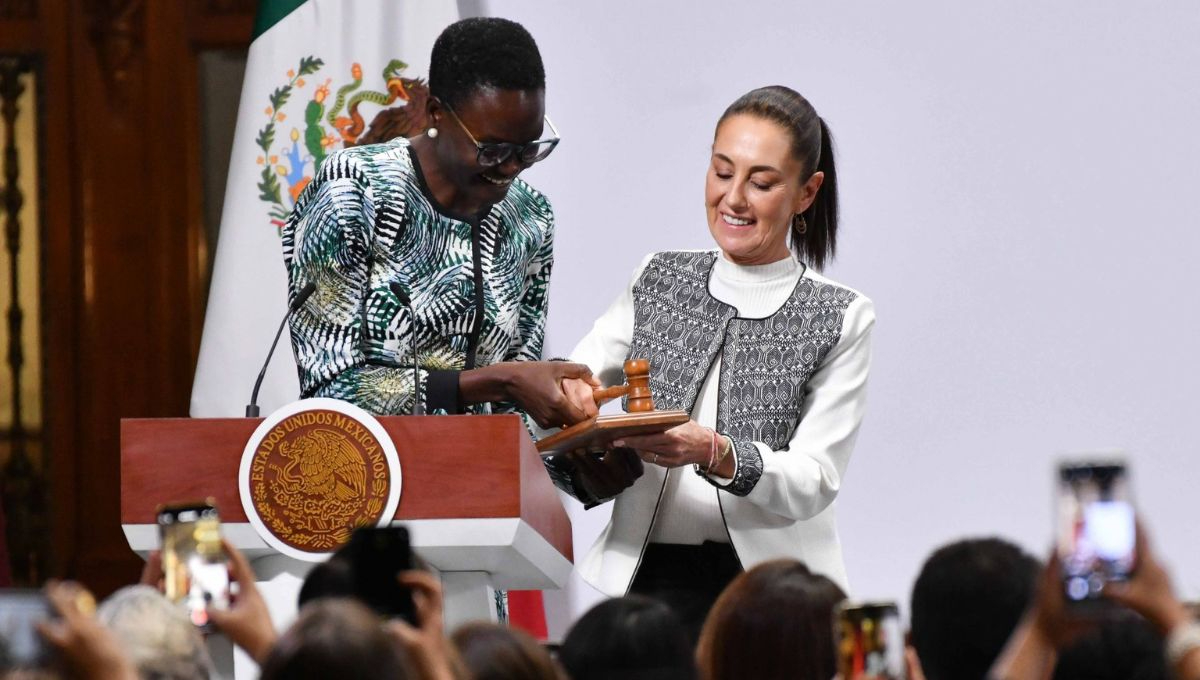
<point x="818" y="243"/>
<point x="812" y="146"/>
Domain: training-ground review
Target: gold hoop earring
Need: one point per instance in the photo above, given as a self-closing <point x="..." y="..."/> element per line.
<point x="799" y="224"/>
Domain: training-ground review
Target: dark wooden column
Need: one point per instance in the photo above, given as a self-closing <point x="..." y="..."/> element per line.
<point x="125" y="265"/>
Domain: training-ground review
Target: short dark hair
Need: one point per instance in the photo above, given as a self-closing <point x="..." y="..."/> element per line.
<point x="494" y="652"/>
<point x="966" y="601"/>
<point x="484" y="52"/>
<point x="336" y="638"/>
<point x="1124" y="647"/>
<point x="812" y="147"/>
<point x="332" y="578"/>
<point x="628" y="637"/>
<point x="774" y="622"/>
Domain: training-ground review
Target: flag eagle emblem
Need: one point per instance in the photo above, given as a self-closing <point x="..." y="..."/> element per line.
<point x="331" y="119"/>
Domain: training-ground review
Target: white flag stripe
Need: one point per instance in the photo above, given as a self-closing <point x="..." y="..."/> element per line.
<point x="248" y="295"/>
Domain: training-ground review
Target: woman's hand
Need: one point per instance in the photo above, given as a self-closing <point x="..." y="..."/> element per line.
<point x="247" y="623"/>
<point x="686" y="444"/>
<point x="426" y="642"/>
<point x="91" y="650"/>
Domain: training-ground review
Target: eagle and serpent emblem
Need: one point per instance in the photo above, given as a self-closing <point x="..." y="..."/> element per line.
<point x="315" y="477"/>
<point x="331" y="119"/>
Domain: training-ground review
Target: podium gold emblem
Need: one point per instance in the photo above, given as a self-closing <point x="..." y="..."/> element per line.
<point x="317" y="475"/>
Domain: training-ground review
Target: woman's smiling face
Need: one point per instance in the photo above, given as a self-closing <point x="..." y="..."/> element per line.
<point x="754" y="188"/>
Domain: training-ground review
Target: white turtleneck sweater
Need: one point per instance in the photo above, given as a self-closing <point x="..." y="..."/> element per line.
<point x="689" y="512"/>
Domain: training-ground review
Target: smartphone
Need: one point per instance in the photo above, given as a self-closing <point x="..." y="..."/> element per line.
<point x="1097" y="531"/>
<point x="870" y="641"/>
<point x="195" y="566"/>
<point x="377" y="555"/>
<point x="21" y="646"/>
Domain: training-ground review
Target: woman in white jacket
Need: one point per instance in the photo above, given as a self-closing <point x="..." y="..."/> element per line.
<point x="770" y="359"/>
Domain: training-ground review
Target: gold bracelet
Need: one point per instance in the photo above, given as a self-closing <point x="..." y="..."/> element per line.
<point x="725" y="451"/>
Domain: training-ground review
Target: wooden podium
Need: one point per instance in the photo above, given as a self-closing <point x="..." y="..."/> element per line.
<point x="475" y="497"/>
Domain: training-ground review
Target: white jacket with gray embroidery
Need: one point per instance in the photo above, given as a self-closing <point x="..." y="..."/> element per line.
<point x="792" y="395"/>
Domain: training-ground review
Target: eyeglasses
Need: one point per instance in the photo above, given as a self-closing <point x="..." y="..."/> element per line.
<point x="491" y="154"/>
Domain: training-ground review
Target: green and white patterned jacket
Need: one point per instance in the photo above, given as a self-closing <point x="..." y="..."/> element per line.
<point x="367" y="222"/>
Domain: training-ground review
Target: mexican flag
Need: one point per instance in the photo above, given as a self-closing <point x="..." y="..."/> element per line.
<point x="321" y="75"/>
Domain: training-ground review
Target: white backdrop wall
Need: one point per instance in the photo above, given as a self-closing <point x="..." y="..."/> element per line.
<point x="1018" y="188"/>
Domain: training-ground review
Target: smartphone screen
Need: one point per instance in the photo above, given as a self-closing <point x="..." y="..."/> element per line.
<point x="195" y="567"/>
<point x="377" y="555"/>
<point x="21" y="646"/>
<point x="870" y="641"/>
<point x="1097" y="535"/>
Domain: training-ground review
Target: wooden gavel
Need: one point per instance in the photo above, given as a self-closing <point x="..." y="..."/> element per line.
<point x="637" y="387"/>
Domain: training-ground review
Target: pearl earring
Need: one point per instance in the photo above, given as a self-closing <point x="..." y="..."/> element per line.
<point x="432" y="133"/>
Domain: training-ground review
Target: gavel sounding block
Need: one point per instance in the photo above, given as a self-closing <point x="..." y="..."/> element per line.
<point x="598" y="432"/>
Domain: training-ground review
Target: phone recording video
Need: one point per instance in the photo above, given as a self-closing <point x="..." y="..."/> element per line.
<point x="870" y="641"/>
<point x="21" y="646"/>
<point x="1097" y="535"/>
<point x="376" y="556"/>
<point x="195" y="566"/>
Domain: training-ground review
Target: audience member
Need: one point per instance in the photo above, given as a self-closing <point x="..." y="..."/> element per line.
<point x="332" y="578"/>
<point x="432" y="654"/>
<point x="90" y="651"/>
<point x="1151" y="594"/>
<point x="1048" y="627"/>
<point x="156" y="635"/>
<point x="1125" y="647"/>
<point x="628" y="637"/>
<point x="247" y="623"/>
<point x="494" y="652"/>
<point x="773" y="622"/>
<point x="968" y="598"/>
<point x="337" y="638"/>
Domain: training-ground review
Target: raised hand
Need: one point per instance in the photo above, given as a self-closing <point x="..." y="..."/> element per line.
<point x="152" y="571"/>
<point x="91" y="650"/>
<point x="1149" y="591"/>
<point x="426" y="642"/>
<point x="247" y="623"/>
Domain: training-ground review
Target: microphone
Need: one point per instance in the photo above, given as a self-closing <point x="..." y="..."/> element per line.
<point x="301" y="297"/>
<point x="418" y="408"/>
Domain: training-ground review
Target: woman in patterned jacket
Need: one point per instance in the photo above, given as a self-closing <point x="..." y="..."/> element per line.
<point x="768" y="356"/>
<point x="434" y="246"/>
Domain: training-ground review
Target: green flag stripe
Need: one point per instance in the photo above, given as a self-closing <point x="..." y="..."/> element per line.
<point x="271" y="12"/>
